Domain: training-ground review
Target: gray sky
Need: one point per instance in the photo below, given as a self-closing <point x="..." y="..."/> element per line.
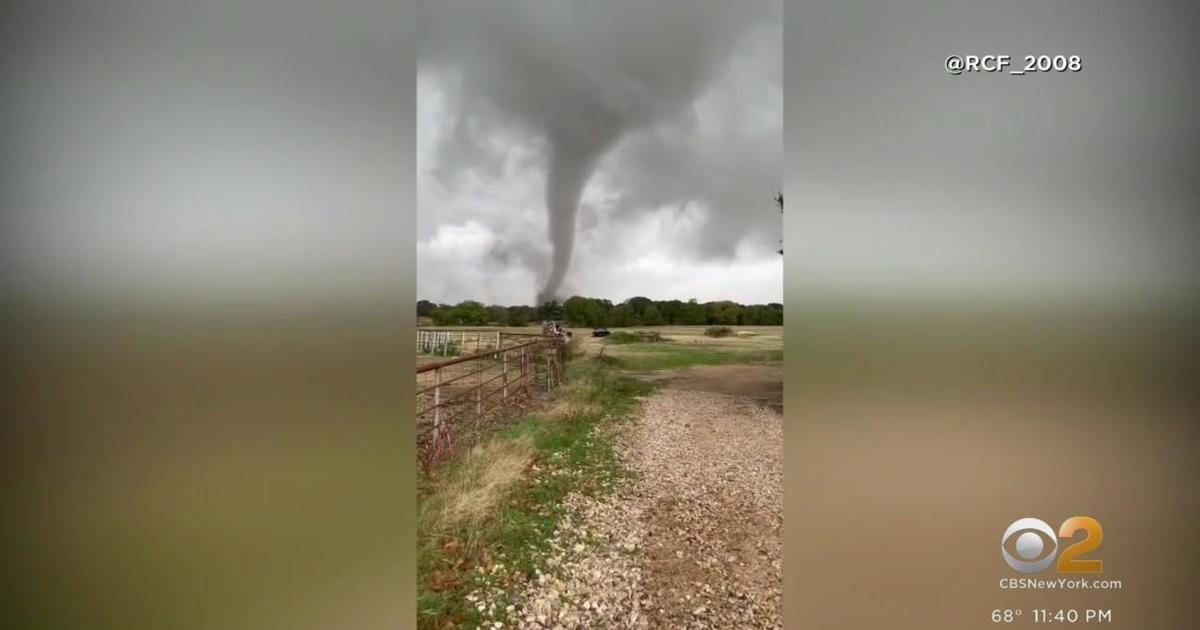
<point x="669" y="115"/>
<point x="904" y="179"/>
<point x="200" y="149"/>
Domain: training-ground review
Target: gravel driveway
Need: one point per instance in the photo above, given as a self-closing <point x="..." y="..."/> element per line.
<point x="694" y="543"/>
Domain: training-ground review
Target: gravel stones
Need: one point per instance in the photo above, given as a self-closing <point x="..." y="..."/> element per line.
<point x="693" y="543"/>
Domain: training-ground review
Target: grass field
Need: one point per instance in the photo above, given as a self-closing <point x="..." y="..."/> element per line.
<point x="644" y="358"/>
<point x="682" y="346"/>
<point x="685" y="346"/>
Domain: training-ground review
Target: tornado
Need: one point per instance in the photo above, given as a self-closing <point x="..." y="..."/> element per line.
<point x="573" y="78"/>
<point x="572" y="163"/>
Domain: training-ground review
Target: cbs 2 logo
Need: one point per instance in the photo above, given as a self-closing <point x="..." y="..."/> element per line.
<point x="1034" y="545"/>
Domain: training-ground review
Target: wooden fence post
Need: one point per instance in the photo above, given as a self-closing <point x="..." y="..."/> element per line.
<point x="478" y="393"/>
<point x="524" y="368"/>
<point x="504" y="356"/>
<point x="437" y="405"/>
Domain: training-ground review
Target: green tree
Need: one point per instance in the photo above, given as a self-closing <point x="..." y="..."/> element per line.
<point x="622" y="315"/>
<point x="725" y="313"/>
<point x="586" y="311"/>
<point x="550" y="310"/>
<point x="469" y="313"/>
<point x="594" y="312"/>
<point x="518" y="315"/>
<point x="639" y="304"/>
<point x="442" y="315"/>
<point x="581" y="311"/>
<point x="651" y="316"/>
<point x="575" y="310"/>
<point x="669" y="311"/>
<point x="772" y="315"/>
<point x="692" y="314"/>
<point x="498" y="315"/>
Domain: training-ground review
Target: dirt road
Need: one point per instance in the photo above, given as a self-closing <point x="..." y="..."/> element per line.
<point x="695" y="542"/>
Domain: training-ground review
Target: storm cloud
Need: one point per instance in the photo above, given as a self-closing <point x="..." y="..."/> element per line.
<point x="651" y="128"/>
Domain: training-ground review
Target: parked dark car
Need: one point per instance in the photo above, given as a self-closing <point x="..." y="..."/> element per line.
<point x="600" y="332"/>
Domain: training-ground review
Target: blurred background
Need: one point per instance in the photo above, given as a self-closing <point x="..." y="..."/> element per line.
<point x="206" y="285"/>
<point x="208" y="273"/>
<point x="994" y="281"/>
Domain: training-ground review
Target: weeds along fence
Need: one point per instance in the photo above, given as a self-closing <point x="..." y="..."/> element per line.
<point x="457" y="397"/>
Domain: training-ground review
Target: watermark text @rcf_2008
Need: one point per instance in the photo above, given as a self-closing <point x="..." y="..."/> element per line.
<point x="1015" y="66"/>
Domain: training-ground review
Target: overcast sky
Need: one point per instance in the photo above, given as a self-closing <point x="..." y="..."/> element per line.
<point x="203" y="149"/>
<point x="906" y="180"/>
<point x="668" y="115"/>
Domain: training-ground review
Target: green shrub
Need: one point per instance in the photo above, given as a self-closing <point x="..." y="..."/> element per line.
<point x="640" y="336"/>
<point x="622" y="336"/>
<point x="718" y="331"/>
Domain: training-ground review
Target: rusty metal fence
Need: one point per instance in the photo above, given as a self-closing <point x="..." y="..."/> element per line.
<point x="456" y="397"/>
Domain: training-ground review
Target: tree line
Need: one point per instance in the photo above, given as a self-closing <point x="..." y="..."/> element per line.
<point x="592" y="312"/>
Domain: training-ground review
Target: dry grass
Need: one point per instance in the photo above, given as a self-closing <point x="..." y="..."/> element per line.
<point x="570" y="408"/>
<point x="575" y="346"/>
<point x="766" y="338"/>
<point x="470" y="493"/>
<point x="574" y="401"/>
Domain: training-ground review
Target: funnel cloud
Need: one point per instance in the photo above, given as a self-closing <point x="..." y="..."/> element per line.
<point x="629" y="112"/>
<point x="569" y="170"/>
